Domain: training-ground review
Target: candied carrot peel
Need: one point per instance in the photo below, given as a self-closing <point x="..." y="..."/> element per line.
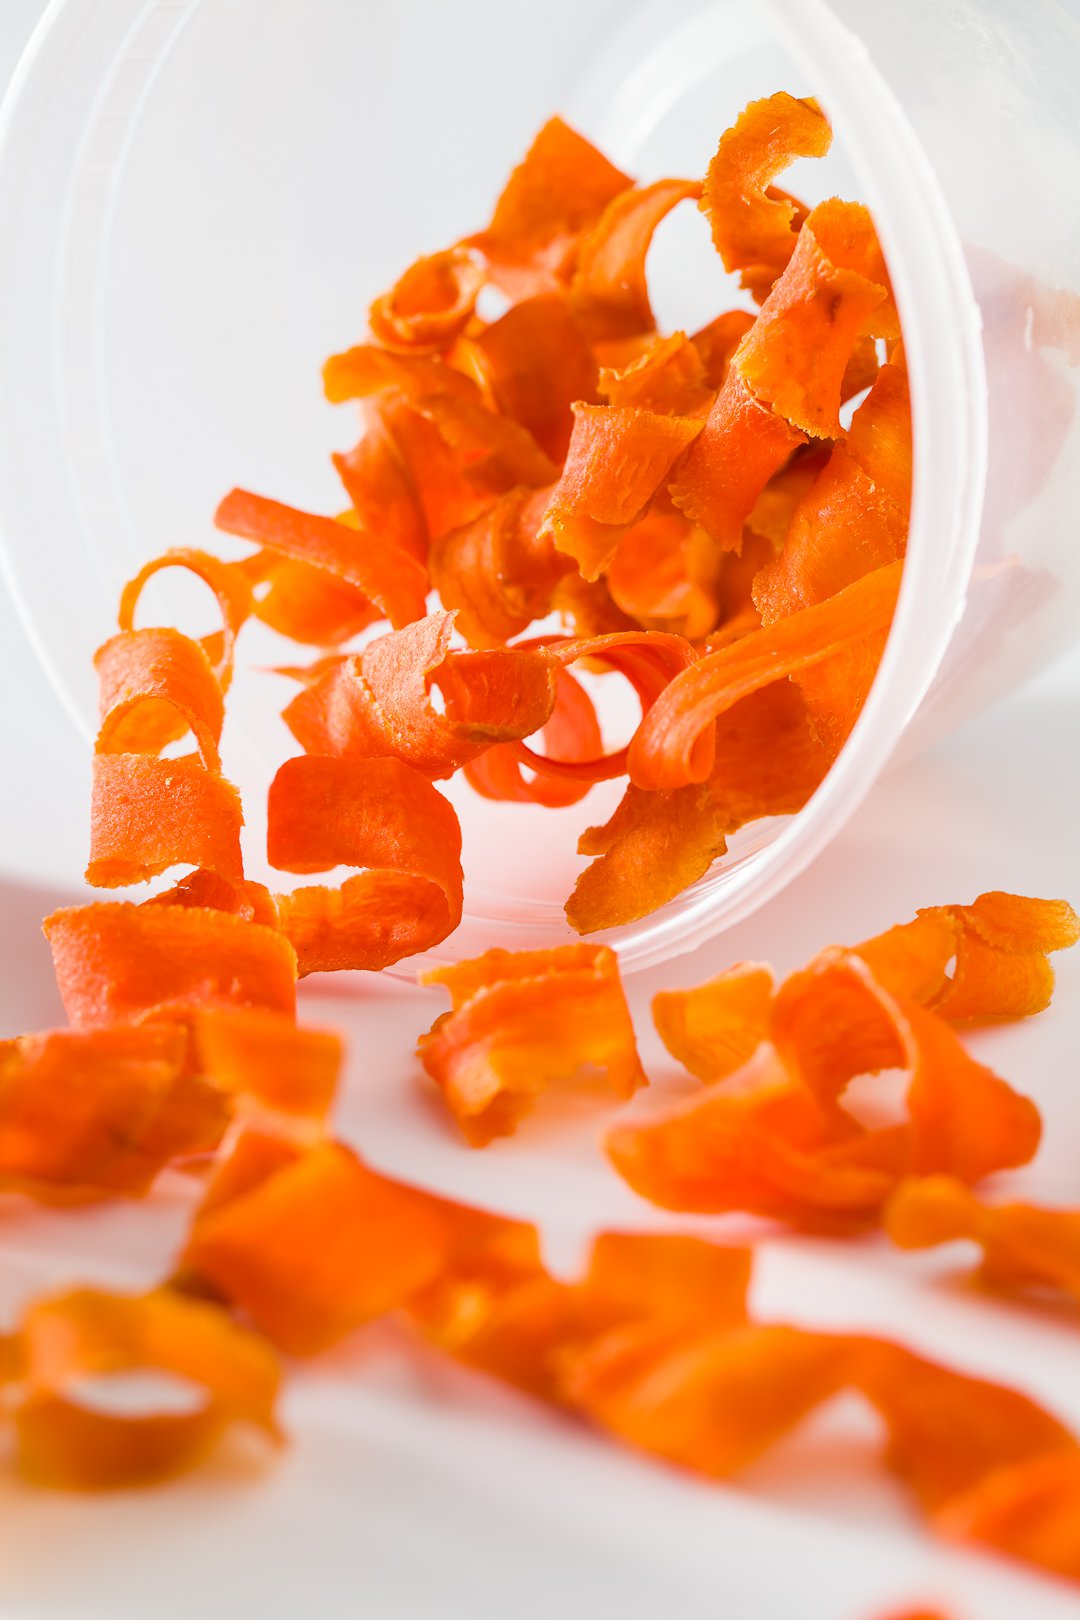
<point x="703" y="522"/>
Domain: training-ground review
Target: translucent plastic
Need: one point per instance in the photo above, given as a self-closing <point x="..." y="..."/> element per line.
<point x="199" y="197"/>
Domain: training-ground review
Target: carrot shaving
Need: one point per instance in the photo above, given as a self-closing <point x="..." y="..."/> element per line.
<point x="1024" y="1247"/>
<point x="553" y="197"/>
<point x="753" y="225"/>
<point x="380" y="815"/>
<point x="520" y="1021"/>
<point x="609" y="295"/>
<point x="675" y="745"/>
<point x="741" y="446"/>
<point x="378" y="703"/>
<point x="316" y="1246"/>
<point x="390" y="578"/>
<point x="430" y="304"/>
<point x="617" y="460"/>
<point x="100" y="1112"/>
<point x="499" y="573"/>
<point x="834" y="288"/>
<point x="535" y="361"/>
<point x="118" y="963"/>
<point x="66" y="1339"/>
<point x="230" y="586"/>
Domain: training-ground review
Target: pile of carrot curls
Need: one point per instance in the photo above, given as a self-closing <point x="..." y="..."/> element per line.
<point x="717" y="519"/>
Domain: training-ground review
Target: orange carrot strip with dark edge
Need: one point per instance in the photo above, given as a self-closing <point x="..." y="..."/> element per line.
<point x="372" y="813"/>
<point x="65" y="1339"/>
<point x="552" y="198"/>
<point x="609" y="294"/>
<point x="673" y="744"/>
<point x="118" y="963"/>
<point x="753" y="225"/>
<point x="396" y="582"/>
<point x="617" y="460"/>
<point x="521" y="1020"/>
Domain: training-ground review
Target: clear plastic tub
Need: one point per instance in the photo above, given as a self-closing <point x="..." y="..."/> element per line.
<point x="198" y="198"/>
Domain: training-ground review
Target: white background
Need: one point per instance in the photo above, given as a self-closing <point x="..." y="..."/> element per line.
<point x="412" y="1490"/>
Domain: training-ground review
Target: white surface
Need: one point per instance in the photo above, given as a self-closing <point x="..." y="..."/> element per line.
<point x="415" y="1492"/>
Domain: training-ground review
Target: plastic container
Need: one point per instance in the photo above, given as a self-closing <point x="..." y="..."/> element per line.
<point x="198" y="198"/>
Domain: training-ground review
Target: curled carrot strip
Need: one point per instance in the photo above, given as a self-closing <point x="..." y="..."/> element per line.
<point x="155" y="686"/>
<point x="767" y="763"/>
<point x="380" y="815"/>
<point x="308" y="604"/>
<point x="119" y="963"/>
<point x="668" y="575"/>
<point x="1024" y="1247"/>
<point x="739" y="449"/>
<point x="609" y="294"/>
<point x="229" y="585"/>
<point x="1028" y="1511"/>
<point x="717" y="342"/>
<point x="668" y="377"/>
<point x="753" y="225"/>
<point x="834" y="289"/>
<point x="781" y="1143"/>
<point x="853" y="518"/>
<point x="380" y="484"/>
<point x="716" y="1028"/>
<point x="101" y="1111"/>
<point x="66" y="1339"/>
<point x="999" y="945"/>
<point x="674" y="745"/>
<point x="571" y="735"/>
<point x="267" y="1059"/>
<point x="316" y="1246"/>
<point x="395" y="582"/>
<point x="648" y="659"/>
<point x="521" y="1020"/>
<point x="617" y="460"/>
<point x="653" y="846"/>
<point x="499" y="573"/>
<point x="430" y="304"/>
<point x="555" y="194"/>
<point x="148" y="814"/>
<point x="535" y="362"/>
<point x="378" y="703"/>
